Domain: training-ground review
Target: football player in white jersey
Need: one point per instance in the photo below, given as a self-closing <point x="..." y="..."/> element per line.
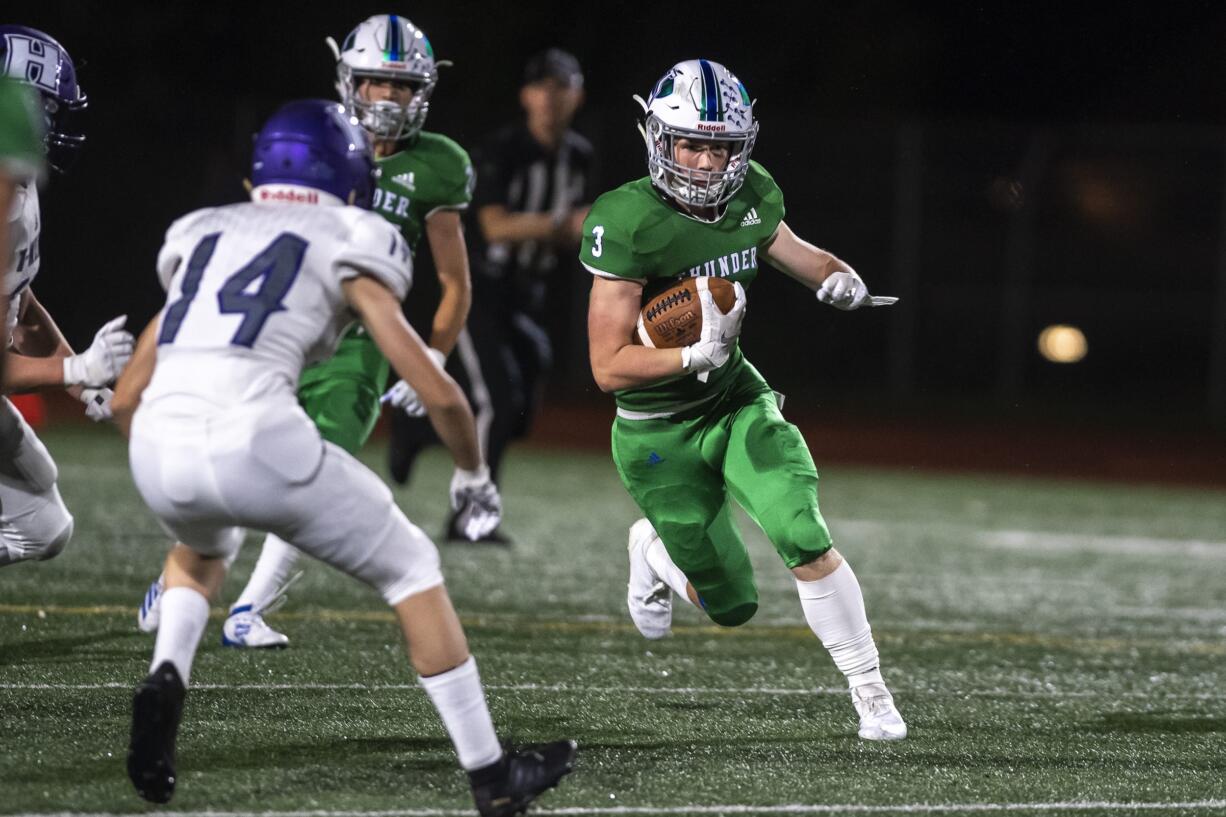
<point x="219" y="442"/>
<point x="34" y="523"/>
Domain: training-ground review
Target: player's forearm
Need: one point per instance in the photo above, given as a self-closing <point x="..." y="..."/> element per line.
<point x="450" y="316"/>
<point x="500" y="225"/>
<point x="136" y="376"/>
<point x="632" y="366"/>
<point x="805" y="262"/>
<point x="23" y="373"/>
<point x="455" y="427"/>
<point x="36" y="333"/>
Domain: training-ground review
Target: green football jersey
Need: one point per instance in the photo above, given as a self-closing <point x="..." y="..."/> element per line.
<point x="21" y="138"/>
<point x="431" y="173"/>
<point x="632" y="233"/>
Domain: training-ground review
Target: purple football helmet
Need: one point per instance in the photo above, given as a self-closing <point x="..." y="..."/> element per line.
<point x="30" y="56"/>
<point x="316" y="143"/>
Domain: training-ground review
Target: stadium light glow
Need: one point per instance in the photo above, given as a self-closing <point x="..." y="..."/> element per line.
<point x="1060" y="343"/>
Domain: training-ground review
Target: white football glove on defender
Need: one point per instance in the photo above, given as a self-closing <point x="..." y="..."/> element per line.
<point x="97" y="404"/>
<point x="474" y="498"/>
<point x="402" y="395"/>
<point x="844" y="290"/>
<point x="105" y="358"/>
<point x="719" y="332"/>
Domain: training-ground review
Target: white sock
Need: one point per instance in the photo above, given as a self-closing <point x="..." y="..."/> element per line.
<point x="184" y="614"/>
<point x="277" y="559"/>
<point x="834" y="608"/>
<point x="460" y="701"/>
<point x="662" y="565"/>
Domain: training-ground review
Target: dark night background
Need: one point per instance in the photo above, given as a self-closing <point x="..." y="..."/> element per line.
<point x="1001" y="166"/>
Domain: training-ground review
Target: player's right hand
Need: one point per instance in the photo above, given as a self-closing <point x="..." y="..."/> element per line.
<point x="475" y="499"/>
<point x="719" y="333"/>
<point x="105" y="358"/>
<point x="98" y="404"/>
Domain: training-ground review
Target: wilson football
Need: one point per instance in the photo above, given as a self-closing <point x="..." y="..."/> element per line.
<point x="673" y="318"/>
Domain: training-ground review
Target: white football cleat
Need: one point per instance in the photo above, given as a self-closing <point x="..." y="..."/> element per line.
<point x="879" y="718"/>
<point x="246" y="629"/>
<point x="150" y="612"/>
<point x="650" y="600"/>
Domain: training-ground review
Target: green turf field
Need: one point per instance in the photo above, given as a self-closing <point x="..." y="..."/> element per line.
<point x="1056" y="647"/>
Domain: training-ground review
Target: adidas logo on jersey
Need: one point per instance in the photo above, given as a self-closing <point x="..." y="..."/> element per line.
<point x="751" y="218"/>
<point x="406" y="181"/>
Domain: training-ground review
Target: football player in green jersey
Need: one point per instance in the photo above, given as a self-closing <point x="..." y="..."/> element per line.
<point x="21" y="161"/>
<point x="386" y="73"/>
<point x="698" y="426"/>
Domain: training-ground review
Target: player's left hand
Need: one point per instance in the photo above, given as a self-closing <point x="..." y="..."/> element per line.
<point x="404" y="397"/>
<point x="475" y="499"/>
<point x="844" y="290"/>
<point x="98" y="404"/>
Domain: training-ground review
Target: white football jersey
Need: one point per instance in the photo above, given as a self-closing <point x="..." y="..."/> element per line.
<point x="254" y="294"/>
<point x="25" y="222"/>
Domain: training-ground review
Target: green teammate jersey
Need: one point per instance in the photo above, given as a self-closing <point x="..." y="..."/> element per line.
<point x="431" y="173"/>
<point x="21" y="138"/>
<point x="632" y="233"/>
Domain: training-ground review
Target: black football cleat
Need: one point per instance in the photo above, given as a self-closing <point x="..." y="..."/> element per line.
<point x="505" y="788"/>
<point x="156" y="710"/>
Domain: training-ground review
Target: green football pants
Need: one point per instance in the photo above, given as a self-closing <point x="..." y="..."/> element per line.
<point x="342" y="393"/>
<point x="681" y="471"/>
<point x="344" y="409"/>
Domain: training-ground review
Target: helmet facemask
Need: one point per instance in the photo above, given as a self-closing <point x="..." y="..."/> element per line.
<point x="64" y="139"/>
<point x="691" y="186"/>
<point x="387" y="119"/>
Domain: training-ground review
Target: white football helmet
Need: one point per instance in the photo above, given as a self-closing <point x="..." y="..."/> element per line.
<point x="387" y="46"/>
<point x="698" y="100"/>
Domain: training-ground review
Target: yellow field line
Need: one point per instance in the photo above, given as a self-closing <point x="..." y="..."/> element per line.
<point x="503" y="620"/>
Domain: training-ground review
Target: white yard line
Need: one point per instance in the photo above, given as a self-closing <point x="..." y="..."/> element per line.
<point x="789" y="808"/>
<point x="578" y="689"/>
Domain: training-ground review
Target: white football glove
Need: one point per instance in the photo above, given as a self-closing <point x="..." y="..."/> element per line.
<point x="97" y="404"/>
<point x="719" y="332"/>
<point x="102" y="362"/>
<point x="844" y="290"/>
<point x="475" y="499"/>
<point x="402" y="396"/>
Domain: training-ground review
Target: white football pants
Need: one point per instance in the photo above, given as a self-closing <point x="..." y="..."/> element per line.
<point x="34" y="523"/>
<point x="264" y="466"/>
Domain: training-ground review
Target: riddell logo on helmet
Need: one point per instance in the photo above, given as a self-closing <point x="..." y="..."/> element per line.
<point x="715" y="127"/>
<point x="289" y="195"/>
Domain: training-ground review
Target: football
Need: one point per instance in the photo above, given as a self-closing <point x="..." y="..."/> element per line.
<point x="673" y="318"/>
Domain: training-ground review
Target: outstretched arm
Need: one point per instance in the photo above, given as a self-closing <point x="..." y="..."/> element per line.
<point x="449" y="413"/>
<point x="801" y="260"/>
<point x="833" y="279"/>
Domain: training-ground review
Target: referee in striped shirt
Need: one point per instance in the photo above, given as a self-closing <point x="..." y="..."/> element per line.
<point x="533" y="192"/>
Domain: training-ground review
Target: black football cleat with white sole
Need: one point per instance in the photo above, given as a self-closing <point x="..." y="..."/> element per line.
<point x="157" y="708"/>
<point x="505" y="788"/>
